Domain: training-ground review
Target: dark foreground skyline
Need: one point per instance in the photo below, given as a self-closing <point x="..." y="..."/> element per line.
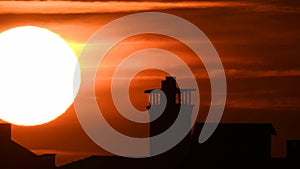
<point x="233" y="145"/>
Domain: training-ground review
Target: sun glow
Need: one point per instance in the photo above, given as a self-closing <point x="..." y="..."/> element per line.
<point x="39" y="76"/>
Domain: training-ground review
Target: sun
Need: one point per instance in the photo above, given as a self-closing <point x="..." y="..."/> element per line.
<point x="39" y="76"/>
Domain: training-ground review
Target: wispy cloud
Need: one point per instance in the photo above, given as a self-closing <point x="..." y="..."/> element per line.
<point x="237" y="74"/>
<point x="77" y="7"/>
<point x="271" y="103"/>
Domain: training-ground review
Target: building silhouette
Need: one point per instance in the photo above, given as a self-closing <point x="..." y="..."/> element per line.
<point x="174" y="99"/>
<point x="15" y="156"/>
<point x="233" y="145"/>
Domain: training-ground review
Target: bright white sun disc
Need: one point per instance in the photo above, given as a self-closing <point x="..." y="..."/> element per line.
<point x="39" y="76"/>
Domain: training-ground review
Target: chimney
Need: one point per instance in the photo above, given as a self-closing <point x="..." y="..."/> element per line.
<point x="293" y="149"/>
<point x="5" y="132"/>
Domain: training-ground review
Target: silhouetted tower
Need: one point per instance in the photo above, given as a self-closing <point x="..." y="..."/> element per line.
<point x="175" y="98"/>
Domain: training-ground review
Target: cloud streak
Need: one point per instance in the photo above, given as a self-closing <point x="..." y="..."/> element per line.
<point x="80" y="7"/>
<point x="238" y="74"/>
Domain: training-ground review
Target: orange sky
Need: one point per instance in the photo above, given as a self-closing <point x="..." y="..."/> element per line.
<point x="258" y="43"/>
